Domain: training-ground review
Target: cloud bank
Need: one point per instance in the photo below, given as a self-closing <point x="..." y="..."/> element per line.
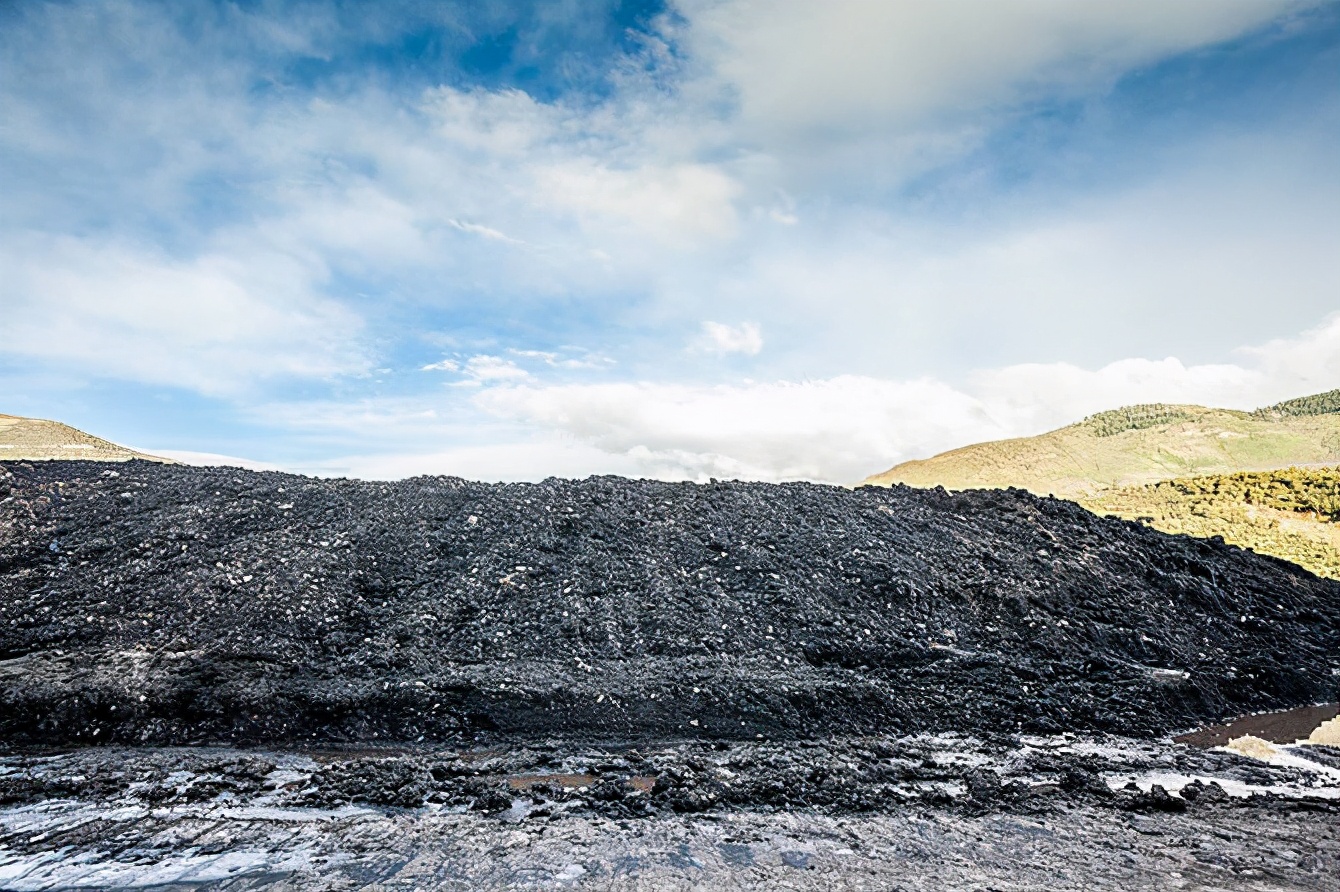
<point x="841" y="429"/>
<point x="828" y="430"/>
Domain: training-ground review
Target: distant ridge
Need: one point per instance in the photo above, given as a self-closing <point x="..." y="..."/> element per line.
<point x="1327" y="403"/>
<point x="36" y="439"/>
<point x="1139" y="444"/>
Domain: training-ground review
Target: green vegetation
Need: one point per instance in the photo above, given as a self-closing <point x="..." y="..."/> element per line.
<point x="1327" y="403"/>
<point x="1290" y="513"/>
<point x="1301" y="490"/>
<point x="1134" y="418"/>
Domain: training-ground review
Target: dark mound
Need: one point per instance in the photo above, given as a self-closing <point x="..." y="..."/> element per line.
<point x="173" y="604"/>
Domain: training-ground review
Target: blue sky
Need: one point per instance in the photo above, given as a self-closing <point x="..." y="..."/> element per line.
<point x="689" y="239"/>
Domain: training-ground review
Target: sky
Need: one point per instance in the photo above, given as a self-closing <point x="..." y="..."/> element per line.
<point x="683" y="239"/>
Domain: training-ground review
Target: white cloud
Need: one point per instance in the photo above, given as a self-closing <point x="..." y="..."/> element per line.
<point x="211" y="323"/>
<point x="481" y="369"/>
<point x="721" y="339"/>
<point x="566" y="360"/>
<point x="497" y="124"/>
<point x="384" y="420"/>
<point x="836" y="430"/>
<point x="824" y="430"/>
<point x="677" y="203"/>
<point x="849" y="66"/>
<point x="214" y="460"/>
<point x="1180" y="263"/>
<point x="644" y="212"/>
<point x="484" y="231"/>
<point x="1307" y="363"/>
<point x="352" y="223"/>
<point x="533" y="458"/>
<point x="841" y="429"/>
<point x="548" y="357"/>
<point x="490" y="369"/>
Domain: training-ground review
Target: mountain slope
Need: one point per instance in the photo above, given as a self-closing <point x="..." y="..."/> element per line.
<point x="36" y="439"/>
<point x="1137" y="445"/>
<point x="1289" y="514"/>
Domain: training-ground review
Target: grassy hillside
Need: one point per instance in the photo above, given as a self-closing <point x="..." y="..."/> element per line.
<point x="1181" y="469"/>
<point x="1137" y="445"/>
<point x="35" y="439"/>
<point x="1291" y="513"/>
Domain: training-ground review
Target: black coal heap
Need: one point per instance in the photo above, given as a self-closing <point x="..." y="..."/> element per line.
<point x="158" y="604"/>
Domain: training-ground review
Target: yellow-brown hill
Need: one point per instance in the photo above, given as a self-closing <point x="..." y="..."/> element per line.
<point x="1136" y="445"/>
<point x="1264" y="480"/>
<point x="36" y="439"/>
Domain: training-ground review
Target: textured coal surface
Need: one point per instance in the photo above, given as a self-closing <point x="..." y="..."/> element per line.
<point x="158" y="604"/>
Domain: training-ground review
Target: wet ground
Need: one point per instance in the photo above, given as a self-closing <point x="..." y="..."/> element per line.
<point x="927" y="812"/>
<point x="1082" y="848"/>
<point x="1276" y="727"/>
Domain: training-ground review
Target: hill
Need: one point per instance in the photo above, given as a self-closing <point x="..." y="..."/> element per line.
<point x="171" y="604"/>
<point x="1290" y="514"/>
<point x="36" y="439"/>
<point x="1137" y="445"/>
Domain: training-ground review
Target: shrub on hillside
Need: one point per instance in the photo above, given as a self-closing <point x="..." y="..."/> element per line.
<point x="1327" y="403"/>
<point x="1285" y="513"/>
<point x="1139" y="417"/>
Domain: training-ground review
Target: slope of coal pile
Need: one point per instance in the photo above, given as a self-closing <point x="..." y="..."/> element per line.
<point x="169" y="604"/>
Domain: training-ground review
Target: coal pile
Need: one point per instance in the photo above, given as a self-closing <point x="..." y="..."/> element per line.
<point x="160" y="604"/>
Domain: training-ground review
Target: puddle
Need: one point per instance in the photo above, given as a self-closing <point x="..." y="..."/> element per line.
<point x="1319" y="786"/>
<point x="641" y="783"/>
<point x="1288" y="726"/>
<point x="526" y="781"/>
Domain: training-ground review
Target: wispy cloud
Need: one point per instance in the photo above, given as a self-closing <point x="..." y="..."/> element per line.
<point x="484" y="231"/>
<point x="489" y="369"/>
<point x="567" y="358"/>
<point x="480" y="369"/>
<point x="837" y="429"/>
<point x="808" y="73"/>
<point x="721" y="339"/>
<point x="213" y="324"/>
<point x="216" y="460"/>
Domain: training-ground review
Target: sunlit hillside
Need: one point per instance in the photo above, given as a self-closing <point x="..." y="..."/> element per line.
<point x="36" y="439"/>
<point x="1139" y="444"/>
<point x="1290" y="514"/>
<point x="1265" y="480"/>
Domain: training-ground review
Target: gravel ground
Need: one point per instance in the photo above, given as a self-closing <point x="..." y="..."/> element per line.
<point x="1080" y="850"/>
